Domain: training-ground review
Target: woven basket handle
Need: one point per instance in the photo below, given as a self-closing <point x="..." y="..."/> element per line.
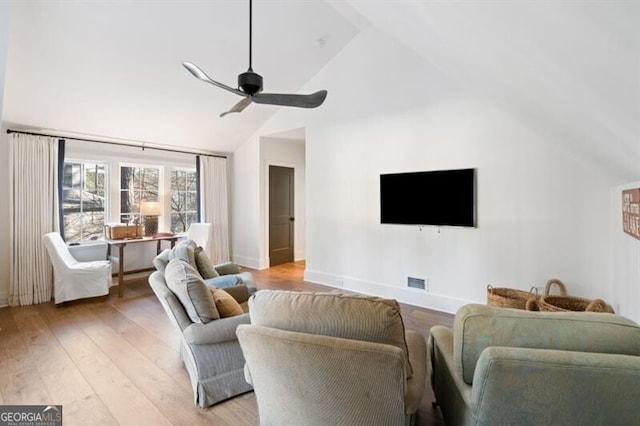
<point x="490" y="288"/>
<point x="557" y="282"/>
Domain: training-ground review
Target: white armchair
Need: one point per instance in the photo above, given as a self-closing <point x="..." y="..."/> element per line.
<point x="201" y="233"/>
<point x="72" y="279"/>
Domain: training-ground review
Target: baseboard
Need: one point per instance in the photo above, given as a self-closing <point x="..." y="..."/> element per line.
<point x="409" y="296"/>
<point x="299" y="255"/>
<point x="250" y="262"/>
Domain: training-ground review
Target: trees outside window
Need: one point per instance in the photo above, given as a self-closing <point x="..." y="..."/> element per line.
<point x="85" y="196"/>
<point x="83" y="200"/>
<point x="137" y="184"/>
<point x="184" y="209"/>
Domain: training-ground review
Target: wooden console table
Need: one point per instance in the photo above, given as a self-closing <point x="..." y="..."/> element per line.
<point x="123" y="242"/>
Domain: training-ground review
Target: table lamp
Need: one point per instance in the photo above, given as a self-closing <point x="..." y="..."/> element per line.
<point x="150" y="210"/>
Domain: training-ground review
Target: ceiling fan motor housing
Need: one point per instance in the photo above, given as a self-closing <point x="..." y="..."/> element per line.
<point x="250" y="82"/>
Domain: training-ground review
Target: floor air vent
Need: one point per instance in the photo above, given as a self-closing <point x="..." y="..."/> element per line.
<point x="415" y="283"/>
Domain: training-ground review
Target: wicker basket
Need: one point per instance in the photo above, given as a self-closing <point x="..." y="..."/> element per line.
<point x="534" y="304"/>
<point x="554" y="281"/>
<point x="564" y="303"/>
<point x="510" y="297"/>
<point x="572" y="303"/>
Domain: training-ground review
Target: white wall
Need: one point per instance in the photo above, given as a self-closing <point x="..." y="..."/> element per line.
<point x="246" y="204"/>
<point x="543" y="211"/>
<point x="285" y="153"/>
<point x="4" y="165"/>
<point x="625" y="257"/>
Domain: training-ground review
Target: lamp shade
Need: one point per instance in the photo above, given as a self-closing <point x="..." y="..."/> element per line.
<point x="150" y="208"/>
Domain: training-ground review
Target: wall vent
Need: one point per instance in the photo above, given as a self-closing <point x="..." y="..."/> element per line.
<point x="415" y="282"/>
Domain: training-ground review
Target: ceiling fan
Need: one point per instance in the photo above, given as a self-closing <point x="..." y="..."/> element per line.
<point x="250" y="87"/>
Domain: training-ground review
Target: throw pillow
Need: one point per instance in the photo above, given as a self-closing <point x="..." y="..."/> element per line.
<point x="204" y="265"/>
<point x="194" y="295"/>
<point x="185" y="251"/>
<point x="227" y="306"/>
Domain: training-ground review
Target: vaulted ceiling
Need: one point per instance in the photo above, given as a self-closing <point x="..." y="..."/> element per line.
<point x="114" y="69"/>
<point x="571" y="68"/>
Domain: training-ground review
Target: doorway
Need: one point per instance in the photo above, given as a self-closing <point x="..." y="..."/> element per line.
<point x="281" y="214"/>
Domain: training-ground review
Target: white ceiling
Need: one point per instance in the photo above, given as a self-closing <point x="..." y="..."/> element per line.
<point x="113" y="69"/>
<point x="569" y="68"/>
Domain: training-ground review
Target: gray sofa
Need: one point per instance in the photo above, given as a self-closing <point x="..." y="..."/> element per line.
<point x="501" y="366"/>
<point x="210" y="352"/>
<point x="224" y="275"/>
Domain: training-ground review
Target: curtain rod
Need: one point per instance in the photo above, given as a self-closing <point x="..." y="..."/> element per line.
<point x="9" y="131"/>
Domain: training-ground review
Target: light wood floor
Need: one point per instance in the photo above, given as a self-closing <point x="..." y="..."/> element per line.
<point x="114" y="361"/>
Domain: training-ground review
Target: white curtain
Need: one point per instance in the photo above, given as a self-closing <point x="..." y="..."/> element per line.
<point x="33" y="192"/>
<point x="215" y="206"/>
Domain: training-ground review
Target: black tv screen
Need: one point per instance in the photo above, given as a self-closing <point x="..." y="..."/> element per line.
<point x="442" y="197"/>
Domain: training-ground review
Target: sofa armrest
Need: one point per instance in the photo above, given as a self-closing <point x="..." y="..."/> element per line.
<point x="238" y="292"/>
<point x="543" y="386"/>
<point x="451" y="393"/>
<point x="217" y="331"/>
<point x="248" y="280"/>
<point x="227" y="268"/>
<point x="417" y="351"/>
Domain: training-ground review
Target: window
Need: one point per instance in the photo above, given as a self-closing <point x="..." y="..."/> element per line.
<point x="137" y="184"/>
<point x="83" y="200"/>
<point x="184" y="209"/>
<point x="104" y="190"/>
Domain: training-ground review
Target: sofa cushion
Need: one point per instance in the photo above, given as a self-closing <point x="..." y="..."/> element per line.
<point x="477" y="327"/>
<point x="194" y="295"/>
<point x="356" y="317"/>
<point x="204" y="264"/>
<point x="226" y="305"/>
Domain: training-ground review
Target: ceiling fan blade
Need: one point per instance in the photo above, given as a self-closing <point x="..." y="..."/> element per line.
<point x="302" y="101"/>
<point x="200" y="75"/>
<point x="239" y="107"/>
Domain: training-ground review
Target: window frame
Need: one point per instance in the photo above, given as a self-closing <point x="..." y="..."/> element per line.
<point x="106" y="190"/>
<point x="185" y="191"/>
<point x="161" y="189"/>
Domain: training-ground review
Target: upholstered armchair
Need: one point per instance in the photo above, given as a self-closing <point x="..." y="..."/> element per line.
<point x="502" y="366"/>
<point x="73" y="279"/>
<point x="320" y="359"/>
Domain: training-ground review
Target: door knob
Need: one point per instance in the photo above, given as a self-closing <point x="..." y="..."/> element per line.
<point x="291" y="219"/>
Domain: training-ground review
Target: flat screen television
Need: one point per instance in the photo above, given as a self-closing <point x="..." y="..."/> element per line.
<point x="441" y="197"/>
